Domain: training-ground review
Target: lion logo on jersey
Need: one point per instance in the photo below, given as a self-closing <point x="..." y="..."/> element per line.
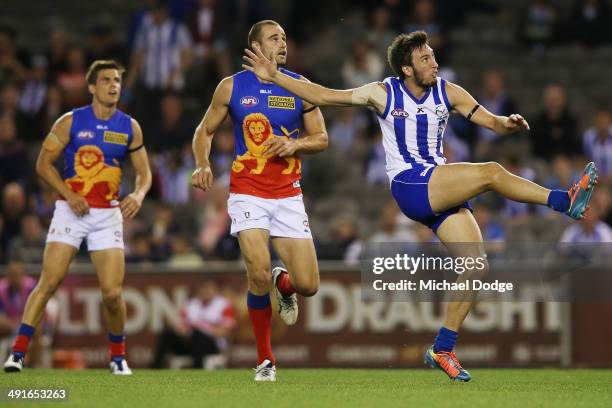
<point x="256" y="129"/>
<point x="90" y="169"/>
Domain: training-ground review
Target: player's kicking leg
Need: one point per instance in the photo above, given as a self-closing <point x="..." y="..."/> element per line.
<point x="56" y="260"/>
<point x="110" y="268"/>
<point x="459" y="227"/>
<point x="254" y="244"/>
<point x="301" y="276"/>
<point x="451" y="185"/>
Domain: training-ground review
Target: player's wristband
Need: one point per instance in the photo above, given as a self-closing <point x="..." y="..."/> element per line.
<point x="473" y="111"/>
<point x="136" y="148"/>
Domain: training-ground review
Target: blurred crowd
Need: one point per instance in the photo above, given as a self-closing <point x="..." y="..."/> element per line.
<point x="177" y="51"/>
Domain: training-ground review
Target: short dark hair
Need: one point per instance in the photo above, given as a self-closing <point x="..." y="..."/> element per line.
<point x="399" y="53"/>
<point x="99" y="65"/>
<point x="255" y="31"/>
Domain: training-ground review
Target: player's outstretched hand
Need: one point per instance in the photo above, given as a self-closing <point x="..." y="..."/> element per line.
<point x="516" y="122"/>
<point x="78" y="204"/>
<point x="130" y="205"/>
<point x="202" y="178"/>
<point x="261" y="66"/>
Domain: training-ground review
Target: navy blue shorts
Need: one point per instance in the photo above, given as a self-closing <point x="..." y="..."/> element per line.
<point x="409" y="188"/>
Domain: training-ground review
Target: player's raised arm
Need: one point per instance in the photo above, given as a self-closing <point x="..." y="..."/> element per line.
<point x="53" y="146"/>
<point x="202" y="176"/>
<point x="466" y="105"/>
<point x="138" y="155"/>
<point x="373" y="94"/>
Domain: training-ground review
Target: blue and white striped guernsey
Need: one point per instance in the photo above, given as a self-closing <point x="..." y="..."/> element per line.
<point x="413" y="128"/>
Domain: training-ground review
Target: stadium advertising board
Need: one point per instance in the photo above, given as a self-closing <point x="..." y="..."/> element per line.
<point x="336" y="327"/>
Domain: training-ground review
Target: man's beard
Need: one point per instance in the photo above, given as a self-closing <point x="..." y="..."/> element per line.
<point x="420" y="81"/>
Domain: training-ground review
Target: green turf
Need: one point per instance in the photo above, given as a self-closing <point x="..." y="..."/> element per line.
<point x="322" y="388"/>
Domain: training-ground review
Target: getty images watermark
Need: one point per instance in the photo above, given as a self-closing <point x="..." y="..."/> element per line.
<point x="406" y="265"/>
<point x="534" y="271"/>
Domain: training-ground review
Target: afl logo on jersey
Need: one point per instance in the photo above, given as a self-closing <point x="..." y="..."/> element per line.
<point x="399" y="113"/>
<point x="86" y="134"/>
<point x="249" y="101"/>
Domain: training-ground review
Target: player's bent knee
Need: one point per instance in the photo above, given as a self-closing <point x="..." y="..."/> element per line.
<point x="491" y="173"/>
<point x="308" y="285"/>
<point x="309" y="289"/>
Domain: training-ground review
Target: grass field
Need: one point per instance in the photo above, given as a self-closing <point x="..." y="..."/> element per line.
<point x="322" y="388"/>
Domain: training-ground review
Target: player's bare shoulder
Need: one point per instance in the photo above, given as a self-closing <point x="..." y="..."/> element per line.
<point x="223" y="93"/>
<point x="63" y="123"/>
<point x="455" y="92"/>
<point x="460" y="99"/>
<point x="381" y="95"/>
<point x="135" y="125"/>
<point x="451" y="88"/>
<point x="373" y="95"/>
<point x="60" y="131"/>
<point x="137" y="138"/>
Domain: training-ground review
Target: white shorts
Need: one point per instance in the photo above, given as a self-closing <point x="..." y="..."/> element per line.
<point x="103" y="227"/>
<point x="283" y="217"/>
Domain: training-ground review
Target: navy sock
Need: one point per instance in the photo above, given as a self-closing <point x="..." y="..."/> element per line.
<point x="445" y="340"/>
<point x="559" y="200"/>
<point x="26" y="330"/>
<point x="258" y="301"/>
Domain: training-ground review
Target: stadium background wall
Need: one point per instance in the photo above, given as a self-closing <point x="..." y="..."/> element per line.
<point x="336" y="328"/>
